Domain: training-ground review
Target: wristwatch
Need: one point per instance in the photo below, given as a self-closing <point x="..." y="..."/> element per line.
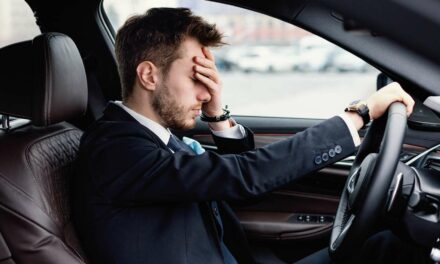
<point x="361" y="108"/>
<point x="213" y="119"/>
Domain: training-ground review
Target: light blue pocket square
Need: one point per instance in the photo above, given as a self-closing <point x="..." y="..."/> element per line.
<point x="194" y="145"/>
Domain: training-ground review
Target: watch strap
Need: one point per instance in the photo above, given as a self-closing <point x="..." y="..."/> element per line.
<point x="212" y="119"/>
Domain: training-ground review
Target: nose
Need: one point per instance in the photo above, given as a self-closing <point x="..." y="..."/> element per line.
<point x="203" y="94"/>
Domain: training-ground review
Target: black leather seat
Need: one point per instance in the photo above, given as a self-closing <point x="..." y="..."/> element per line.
<point x="42" y="80"/>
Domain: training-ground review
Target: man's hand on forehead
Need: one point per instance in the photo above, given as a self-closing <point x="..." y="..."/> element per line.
<point x="206" y="65"/>
<point x="206" y="72"/>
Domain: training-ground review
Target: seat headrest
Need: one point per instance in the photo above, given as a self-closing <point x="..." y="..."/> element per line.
<point x="43" y="80"/>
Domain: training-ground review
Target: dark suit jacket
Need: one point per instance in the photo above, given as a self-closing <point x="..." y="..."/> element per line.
<point x="137" y="202"/>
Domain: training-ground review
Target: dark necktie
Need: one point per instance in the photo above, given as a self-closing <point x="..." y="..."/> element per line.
<point x="175" y="145"/>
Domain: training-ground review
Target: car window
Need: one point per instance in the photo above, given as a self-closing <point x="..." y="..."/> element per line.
<point x="270" y="67"/>
<point x="17" y="22"/>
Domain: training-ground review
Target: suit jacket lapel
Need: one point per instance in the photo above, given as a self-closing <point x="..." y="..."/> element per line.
<point x="114" y="112"/>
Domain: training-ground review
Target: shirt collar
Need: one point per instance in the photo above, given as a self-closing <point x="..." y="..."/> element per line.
<point x="162" y="132"/>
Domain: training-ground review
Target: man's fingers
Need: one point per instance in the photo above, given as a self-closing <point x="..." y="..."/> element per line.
<point x="405" y="97"/>
<point x="208" y="54"/>
<point x="205" y="62"/>
<point x="206" y="81"/>
<point x="210" y="73"/>
<point x="409" y="103"/>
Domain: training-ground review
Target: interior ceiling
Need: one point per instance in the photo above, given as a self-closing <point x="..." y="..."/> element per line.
<point x="411" y="23"/>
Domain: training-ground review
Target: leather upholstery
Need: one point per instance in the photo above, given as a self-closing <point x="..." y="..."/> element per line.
<point x="43" y="80"/>
<point x="5" y="254"/>
<point x="37" y="161"/>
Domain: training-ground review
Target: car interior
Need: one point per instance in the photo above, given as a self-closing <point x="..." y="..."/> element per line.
<point x="54" y="85"/>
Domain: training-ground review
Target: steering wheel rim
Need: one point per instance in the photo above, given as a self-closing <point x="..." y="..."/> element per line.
<point x="364" y="197"/>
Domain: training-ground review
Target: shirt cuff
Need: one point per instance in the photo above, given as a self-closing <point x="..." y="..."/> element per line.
<point x="236" y="131"/>
<point x="352" y="128"/>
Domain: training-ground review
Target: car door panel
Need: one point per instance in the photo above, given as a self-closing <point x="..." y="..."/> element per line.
<point x="282" y="215"/>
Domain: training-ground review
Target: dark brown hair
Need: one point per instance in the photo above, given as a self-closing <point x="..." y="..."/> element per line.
<point x="156" y="36"/>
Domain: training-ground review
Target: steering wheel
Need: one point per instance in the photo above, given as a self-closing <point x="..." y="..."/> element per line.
<point x="364" y="197"/>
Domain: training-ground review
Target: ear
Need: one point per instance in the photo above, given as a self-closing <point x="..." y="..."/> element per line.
<point x="148" y="75"/>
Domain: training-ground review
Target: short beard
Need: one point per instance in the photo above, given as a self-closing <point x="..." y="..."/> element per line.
<point x="169" y="109"/>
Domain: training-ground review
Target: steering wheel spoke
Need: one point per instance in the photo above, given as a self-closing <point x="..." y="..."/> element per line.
<point x="335" y="244"/>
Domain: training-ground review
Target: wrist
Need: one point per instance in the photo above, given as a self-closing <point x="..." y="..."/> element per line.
<point x="223" y="116"/>
<point x="218" y="112"/>
<point x="361" y="109"/>
<point x="219" y="126"/>
<point x="356" y="119"/>
<point x="370" y="106"/>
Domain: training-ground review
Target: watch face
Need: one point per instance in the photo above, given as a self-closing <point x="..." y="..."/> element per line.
<point x="359" y="104"/>
<point x="356" y="106"/>
<point x="361" y="108"/>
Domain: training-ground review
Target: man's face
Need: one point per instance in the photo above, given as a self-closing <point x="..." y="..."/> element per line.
<point x="178" y="97"/>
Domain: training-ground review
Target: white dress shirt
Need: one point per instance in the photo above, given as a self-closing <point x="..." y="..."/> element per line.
<point x="352" y="128"/>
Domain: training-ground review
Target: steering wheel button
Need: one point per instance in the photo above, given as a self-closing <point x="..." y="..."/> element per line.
<point x="338" y="149"/>
<point x="331" y="153"/>
<point x="324" y="157"/>
<point x="318" y="160"/>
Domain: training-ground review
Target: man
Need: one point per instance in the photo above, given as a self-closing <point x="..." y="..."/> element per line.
<point x="142" y="196"/>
